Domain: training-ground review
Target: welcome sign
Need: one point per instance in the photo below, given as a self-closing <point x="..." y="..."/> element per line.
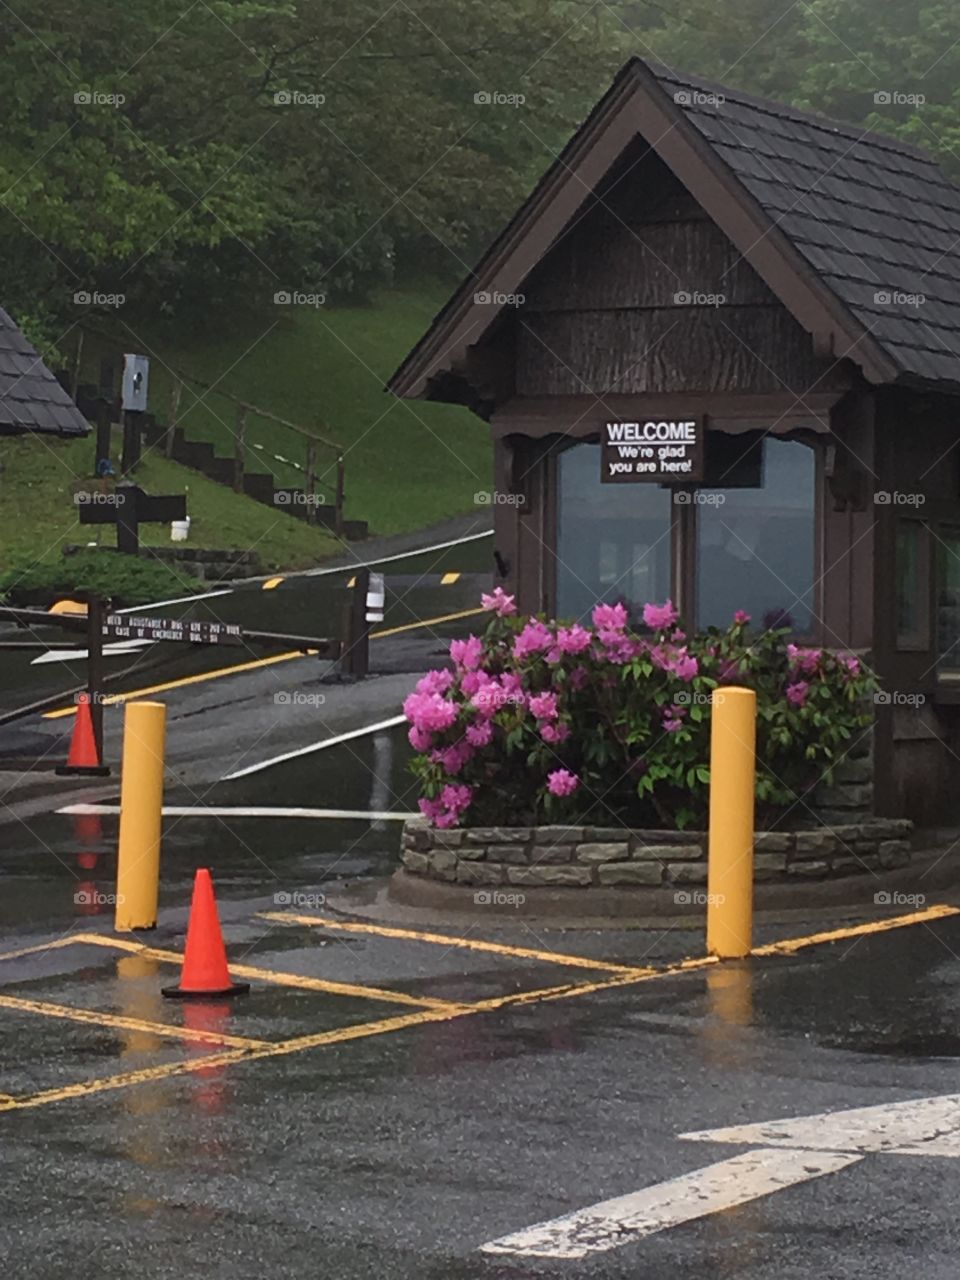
<point x="662" y="450"/>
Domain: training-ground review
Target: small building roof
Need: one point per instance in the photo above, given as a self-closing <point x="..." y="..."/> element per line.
<point x="31" y="399"/>
<point x="856" y="233"/>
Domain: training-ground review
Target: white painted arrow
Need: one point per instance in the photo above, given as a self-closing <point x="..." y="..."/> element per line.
<point x="80" y="655"/>
<point x="792" y="1151"/>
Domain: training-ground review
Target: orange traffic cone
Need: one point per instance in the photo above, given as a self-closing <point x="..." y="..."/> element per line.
<point x="83" y="757"/>
<point x="205" y="971"/>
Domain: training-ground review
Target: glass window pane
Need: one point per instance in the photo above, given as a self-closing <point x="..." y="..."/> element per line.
<point x="912" y="585"/>
<point x="948" y="600"/>
<point x="613" y="540"/>
<point x="756" y="546"/>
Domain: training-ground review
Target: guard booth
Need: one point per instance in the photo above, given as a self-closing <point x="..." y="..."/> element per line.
<point x="719" y="352"/>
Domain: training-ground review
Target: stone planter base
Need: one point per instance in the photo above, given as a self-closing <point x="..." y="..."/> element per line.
<point x="585" y="857"/>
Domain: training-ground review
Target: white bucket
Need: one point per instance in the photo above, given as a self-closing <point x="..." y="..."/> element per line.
<point x="179" y="529"/>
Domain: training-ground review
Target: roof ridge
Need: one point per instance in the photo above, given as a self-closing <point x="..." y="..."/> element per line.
<point x="783" y="110"/>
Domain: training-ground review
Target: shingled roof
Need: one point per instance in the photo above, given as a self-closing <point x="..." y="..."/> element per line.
<point x="857" y="233"/>
<point x="31" y="399"/>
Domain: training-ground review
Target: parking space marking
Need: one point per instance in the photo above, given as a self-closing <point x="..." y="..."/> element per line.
<point x="38" y="947"/>
<point x="427" y="1011"/>
<point x="447" y="940"/>
<point x="276" y="976"/>
<point x="121" y="1021"/>
<point x="788" y="946"/>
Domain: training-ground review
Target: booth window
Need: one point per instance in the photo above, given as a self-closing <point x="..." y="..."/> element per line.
<point x="756" y="535"/>
<point x="613" y="540"/>
<point x="948" y="601"/>
<point x="913" y="585"/>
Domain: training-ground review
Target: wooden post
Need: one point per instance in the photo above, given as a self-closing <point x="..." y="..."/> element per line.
<point x="175" y="395"/>
<point x="338" y="509"/>
<point x="128" y="527"/>
<point x="95" y="668"/>
<point x="104" y="416"/>
<point x="311" y="481"/>
<point x="357" y="649"/>
<point x="131" y="442"/>
<point x="75" y="375"/>
<point x="240" y="453"/>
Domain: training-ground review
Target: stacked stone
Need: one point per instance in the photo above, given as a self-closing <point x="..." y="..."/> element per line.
<point x="581" y="857"/>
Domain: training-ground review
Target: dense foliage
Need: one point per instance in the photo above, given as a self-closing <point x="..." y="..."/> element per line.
<point x="191" y="158"/>
<point x="536" y="721"/>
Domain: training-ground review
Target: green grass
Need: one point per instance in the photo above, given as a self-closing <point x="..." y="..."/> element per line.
<point x="408" y="463"/>
<point x="38" y="513"/>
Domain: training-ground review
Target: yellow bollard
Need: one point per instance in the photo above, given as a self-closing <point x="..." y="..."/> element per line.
<point x="733" y="738"/>
<point x="141" y="802"/>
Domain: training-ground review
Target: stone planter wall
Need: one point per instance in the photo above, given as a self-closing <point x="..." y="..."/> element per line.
<point x="581" y="857"/>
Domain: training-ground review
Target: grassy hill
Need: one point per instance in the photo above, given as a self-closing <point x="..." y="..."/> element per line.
<point x="408" y="464"/>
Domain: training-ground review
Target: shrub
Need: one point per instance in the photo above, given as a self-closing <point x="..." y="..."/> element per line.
<point x="127" y="580"/>
<point x="537" y="720"/>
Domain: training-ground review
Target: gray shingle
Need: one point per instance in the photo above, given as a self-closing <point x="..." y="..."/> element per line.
<point x="31" y="399"/>
<point x="867" y="211"/>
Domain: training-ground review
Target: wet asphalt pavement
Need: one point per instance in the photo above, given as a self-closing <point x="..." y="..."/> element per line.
<point x="400" y="1154"/>
<point x="357" y="1115"/>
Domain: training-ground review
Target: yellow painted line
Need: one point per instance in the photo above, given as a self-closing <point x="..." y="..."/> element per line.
<point x="449" y="579"/>
<point x="124" y="1023"/>
<point x="277" y="977"/>
<point x="38" y="947"/>
<point x="111" y="699"/>
<point x="446" y="940"/>
<point x="427" y="622"/>
<point x="271" y="584"/>
<point x="790" y="945"/>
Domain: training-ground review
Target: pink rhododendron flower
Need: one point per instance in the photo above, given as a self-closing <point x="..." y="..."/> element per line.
<point x="456" y="797"/>
<point x="494" y="693"/>
<point x="499" y="602"/>
<point x="562" y="782"/>
<point x="467" y="653"/>
<point x="658" y="617"/>
<point x="544" y="706"/>
<point x="579" y="677"/>
<point x="741" y="618"/>
<point x="805" y="660"/>
<point x="797" y="693"/>
<point x="453" y="758"/>
<point x="612" y="616"/>
<point x="419" y="739"/>
<point x="672" y="726"/>
<point x="534" y="638"/>
<point x="573" y="639"/>
<point x="554" y="733"/>
<point x="471" y="681"/>
<point x="431" y="809"/>
<point x="430" y="711"/>
<point x="852" y="664"/>
<point x="479" y="734"/>
<point x="435" y="681"/>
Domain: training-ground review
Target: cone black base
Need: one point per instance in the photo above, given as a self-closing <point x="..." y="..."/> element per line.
<point x="83" y="770"/>
<point x="178" y="993"/>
